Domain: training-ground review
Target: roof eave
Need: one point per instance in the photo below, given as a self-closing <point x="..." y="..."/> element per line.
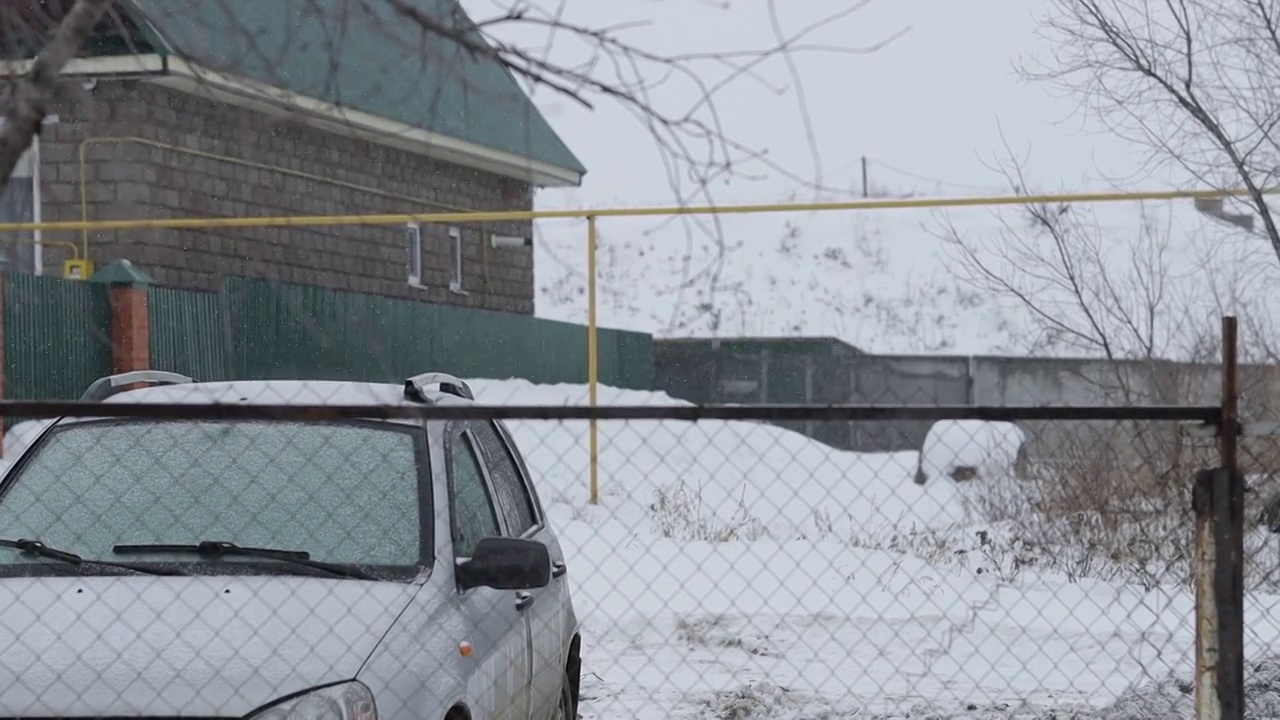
<point x="177" y="73"/>
<point x="192" y="77"/>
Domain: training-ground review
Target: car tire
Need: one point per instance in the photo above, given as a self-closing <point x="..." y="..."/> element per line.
<point x="565" y="709"/>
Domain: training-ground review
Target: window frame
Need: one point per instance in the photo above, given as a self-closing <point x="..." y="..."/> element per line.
<point x="521" y="479"/>
<point x="405" y="573"/>
<point x="455" y="261"/>
<point x="413" y="249"/>
<point x="522" y="470"/>
<point x="455" y="432"/>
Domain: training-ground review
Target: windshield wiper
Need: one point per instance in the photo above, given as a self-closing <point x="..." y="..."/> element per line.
<point x="215" y="550"/>
<point x="39" y="549"/>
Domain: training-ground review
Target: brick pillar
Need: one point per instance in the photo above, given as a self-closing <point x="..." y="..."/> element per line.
<point x="130" y="315"/>
<point x="130" y="328"/>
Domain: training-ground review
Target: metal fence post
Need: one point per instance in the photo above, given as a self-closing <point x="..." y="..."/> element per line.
<point x="593" y="364"/>
<point x="1218" y="502"/>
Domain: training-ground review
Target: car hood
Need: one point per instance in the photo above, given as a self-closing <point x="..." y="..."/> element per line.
<point x="174" y="646"/>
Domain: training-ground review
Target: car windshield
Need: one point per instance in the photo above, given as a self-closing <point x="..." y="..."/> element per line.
<point x="344" y="492"/>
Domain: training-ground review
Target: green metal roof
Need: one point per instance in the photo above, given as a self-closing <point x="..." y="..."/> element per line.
<point x="365" y="57"/>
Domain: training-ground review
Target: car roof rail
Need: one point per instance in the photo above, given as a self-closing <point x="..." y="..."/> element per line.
<point x="105" y="387"/>
<point x="415" y="388"/>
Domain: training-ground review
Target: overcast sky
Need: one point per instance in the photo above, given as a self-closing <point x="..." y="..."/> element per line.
<point x="932" y="111"/>
<point x="932" y="104"/>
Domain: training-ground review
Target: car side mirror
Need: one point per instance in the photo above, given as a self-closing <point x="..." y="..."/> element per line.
<point x="506" y="564"/>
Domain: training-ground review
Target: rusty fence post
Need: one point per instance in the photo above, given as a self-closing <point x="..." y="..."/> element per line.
<point x="1218" y="502"/>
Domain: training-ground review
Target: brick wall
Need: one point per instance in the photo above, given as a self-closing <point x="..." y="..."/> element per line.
<point x="132" y="180"/>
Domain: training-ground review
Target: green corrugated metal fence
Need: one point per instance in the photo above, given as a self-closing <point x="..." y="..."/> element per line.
<point x="298" y="331"/>
<point x="57" y="337"/>
<point x="635" y="360"/>
<point x="187" y="333"/>
<point x="283" y="330"/>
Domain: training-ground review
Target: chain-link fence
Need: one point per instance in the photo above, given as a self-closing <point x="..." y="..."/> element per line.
<point x="1259" y="463"/>
<point x="349" y="550"/>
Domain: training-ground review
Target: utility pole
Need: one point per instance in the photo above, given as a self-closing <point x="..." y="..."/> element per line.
<point x="866" y="192"/>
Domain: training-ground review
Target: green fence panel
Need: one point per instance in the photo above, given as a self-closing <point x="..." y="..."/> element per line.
<point x="523" y="346"/>
<point x="486" y="344"/>
<point x="57" y="336"/>
<point x="187" y="333"/>
<point x="635" y="360"/>
<point x="482" y="343"/>
<point x="281" y="330"/>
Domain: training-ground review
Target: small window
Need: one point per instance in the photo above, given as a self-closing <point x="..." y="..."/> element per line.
<point x="455" y="261"/>
<point x="475" y="518"/>
<point x="413" y="245"/>
<point x="514" y="501"/>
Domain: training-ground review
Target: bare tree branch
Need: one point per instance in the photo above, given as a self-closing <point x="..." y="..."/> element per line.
<point x="1084" y="289"/>
<point x="1197" y="81"/>
<point x="28" y="99"/>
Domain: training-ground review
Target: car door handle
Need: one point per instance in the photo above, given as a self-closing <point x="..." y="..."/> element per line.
<point x="558" y="568"/>
<point x="523" y="600"/>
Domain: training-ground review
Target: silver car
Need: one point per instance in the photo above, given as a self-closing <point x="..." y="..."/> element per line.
<point x="335" y="570"/>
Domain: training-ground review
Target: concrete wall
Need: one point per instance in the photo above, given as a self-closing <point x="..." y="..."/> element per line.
<point x="903" y="380"/>
<point x="1003" y="381"/>
<point x="128" y="180"/>
<point x="687" y="367"/>
<point x="1068" y="381"/>
<point x="760" y="370"/>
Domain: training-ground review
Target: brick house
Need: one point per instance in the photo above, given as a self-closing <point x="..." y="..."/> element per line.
<point x="256" y="108"/>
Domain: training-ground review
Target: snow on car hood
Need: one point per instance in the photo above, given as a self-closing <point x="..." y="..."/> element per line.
<point x="171" y="646"/>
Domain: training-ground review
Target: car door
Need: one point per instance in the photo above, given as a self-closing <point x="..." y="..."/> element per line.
<point x="522" y="517"/>
<point x="498" y="624"/>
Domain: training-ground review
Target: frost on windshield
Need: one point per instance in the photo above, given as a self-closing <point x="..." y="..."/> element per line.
<point x="344" y="493"/>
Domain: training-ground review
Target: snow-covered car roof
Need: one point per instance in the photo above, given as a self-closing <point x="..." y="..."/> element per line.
<point x="282" y="392"/>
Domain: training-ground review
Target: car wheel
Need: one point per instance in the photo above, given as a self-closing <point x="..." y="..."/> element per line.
<point x="565" y="709"/>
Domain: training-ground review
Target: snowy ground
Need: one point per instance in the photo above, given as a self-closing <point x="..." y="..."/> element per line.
<point x="736" y="570"/>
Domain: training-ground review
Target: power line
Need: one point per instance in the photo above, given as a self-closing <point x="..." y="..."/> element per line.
<point x="932" y="180"/>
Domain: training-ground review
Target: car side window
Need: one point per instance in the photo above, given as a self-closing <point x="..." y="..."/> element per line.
<point x="474" y="516"/>
<point x="514" y="501"/>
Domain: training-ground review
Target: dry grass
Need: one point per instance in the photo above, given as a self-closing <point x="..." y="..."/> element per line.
<point x="682" y="514"/>
<point x="1103" y="501"/>
<point x="1112" y="501"/>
